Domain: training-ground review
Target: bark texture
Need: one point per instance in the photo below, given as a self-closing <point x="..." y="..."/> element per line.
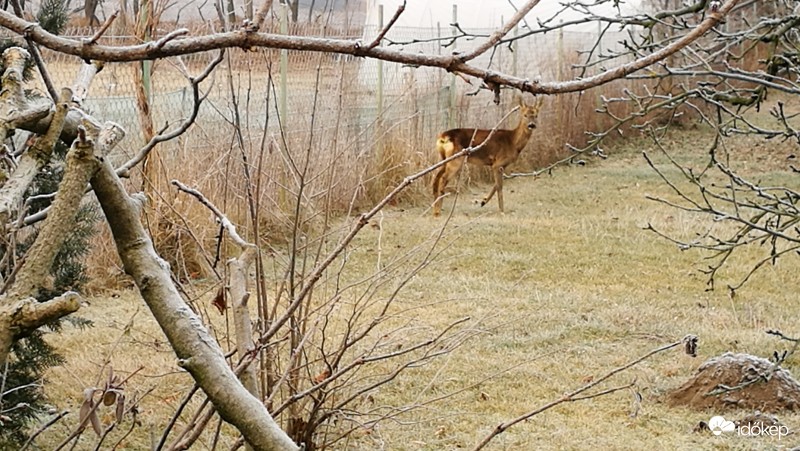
<point x="238" y="270"/>
<point x="20" y="312"/>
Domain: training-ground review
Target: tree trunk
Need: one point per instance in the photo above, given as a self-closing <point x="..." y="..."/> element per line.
<point x="33" y="114"/>
<point x="239" y="294"/>
<point x="20" y="312"/>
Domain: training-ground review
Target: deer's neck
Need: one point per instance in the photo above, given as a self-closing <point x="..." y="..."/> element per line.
<point x="522" y="134"/>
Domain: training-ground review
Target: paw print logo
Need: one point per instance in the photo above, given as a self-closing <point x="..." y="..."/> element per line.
<point x="718" y="425"/>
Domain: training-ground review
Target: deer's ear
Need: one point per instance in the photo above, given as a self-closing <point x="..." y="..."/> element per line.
<point x="518" y="100"/>
<point x="537" y="104"/>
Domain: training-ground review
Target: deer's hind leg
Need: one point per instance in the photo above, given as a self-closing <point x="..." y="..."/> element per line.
<point x="440" y="181"/>
<point x="437" y="193"/>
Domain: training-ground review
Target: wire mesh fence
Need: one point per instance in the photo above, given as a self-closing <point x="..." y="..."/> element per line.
<point x="360" y="125"/>
<point x="332" y="91"/>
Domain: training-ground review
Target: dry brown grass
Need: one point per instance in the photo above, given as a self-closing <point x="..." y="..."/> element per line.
<point x="365" y="155"/>
<point x="564" y="287"/>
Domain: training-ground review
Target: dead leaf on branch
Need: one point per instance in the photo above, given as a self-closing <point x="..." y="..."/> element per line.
<point x="88" y="412"/>
<point x="219" y="301"/>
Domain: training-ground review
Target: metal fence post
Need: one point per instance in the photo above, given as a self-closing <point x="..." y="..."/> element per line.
<point x="560" y="50"/>
<point x="452" y="106"/>
<point x="514" y="48"/>
<point x="757" y="44"/>
<point x="560" y="68"/>
<point x="500" y="50"/>
<point x="598" y="118"/>
<point x="146" y="64"/>
<point x="284" y="69"/>
<point x="441" y="112"/>
<point x="380" y="68"/>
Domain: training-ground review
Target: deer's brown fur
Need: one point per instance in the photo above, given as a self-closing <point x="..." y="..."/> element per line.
<point x="496" y="149"/>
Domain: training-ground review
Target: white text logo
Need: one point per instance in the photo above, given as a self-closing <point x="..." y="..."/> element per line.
<point x="719" y="424"/>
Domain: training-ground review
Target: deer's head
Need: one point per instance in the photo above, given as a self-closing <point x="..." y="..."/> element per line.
<point x="530" y="112"/>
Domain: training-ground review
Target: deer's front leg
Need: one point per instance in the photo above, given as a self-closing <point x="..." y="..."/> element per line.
<point x="497" y="188"/>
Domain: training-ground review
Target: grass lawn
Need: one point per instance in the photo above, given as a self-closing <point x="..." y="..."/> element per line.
<point x="564" y="287"/>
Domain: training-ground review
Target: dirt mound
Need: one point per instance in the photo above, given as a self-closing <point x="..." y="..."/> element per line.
<point x="739" y="381"/>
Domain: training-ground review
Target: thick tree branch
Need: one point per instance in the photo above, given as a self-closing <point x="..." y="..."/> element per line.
<point x="31" y="314"/>
<point x="195" y="348"/>
<point x="37" y="57"/>
<point x="81" y="166"/>
<point x="15" y="107"/>
<point x="262" y="13"/>
<point x="32" y="112"/>
<point x="84" y="80"/>
<point x="32" y="161"/>
<point x="18" y="318"/>
<point x="246" y="38"/>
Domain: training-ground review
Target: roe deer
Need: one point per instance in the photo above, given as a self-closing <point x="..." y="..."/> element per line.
<point x="497" y="149"/>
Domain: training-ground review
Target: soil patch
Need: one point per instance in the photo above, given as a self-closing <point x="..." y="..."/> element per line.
<point x="739" y="381"/>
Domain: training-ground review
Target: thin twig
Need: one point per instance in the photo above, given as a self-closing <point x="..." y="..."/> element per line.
<point x="571" y="396"/>
<point x="172" y="35"/>
<point x="103" y="28"/>
<point x="499" y="34"/>
<point x="43" y="428"/>
<point x="377" y="41"/>
<point x="184" y="402"/>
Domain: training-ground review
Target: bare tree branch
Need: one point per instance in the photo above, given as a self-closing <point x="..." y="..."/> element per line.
<point x="499" y="34"/>
<point x="377" y="41"/>
<point x="248" y="39"/>
<point x="573" y="395"/>
<point x="196" y="350"/>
